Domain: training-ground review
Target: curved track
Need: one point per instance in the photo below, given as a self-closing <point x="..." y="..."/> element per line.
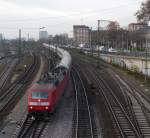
<point x="127" y="104"/>
<point x="5" y="75"/>
<point x="139" y="110"/>
<point x="9" y="97"/>
<point x="126" y="126"/>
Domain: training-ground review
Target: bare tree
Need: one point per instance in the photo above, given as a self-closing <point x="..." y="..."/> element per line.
<point x="143" y="14"/>
<point x="114" y="25"/>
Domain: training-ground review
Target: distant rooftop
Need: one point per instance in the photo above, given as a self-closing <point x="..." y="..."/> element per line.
<point x="80" y="26"/>
<point x="139" y="24"/>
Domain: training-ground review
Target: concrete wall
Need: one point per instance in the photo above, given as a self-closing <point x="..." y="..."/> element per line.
<point x="132" y="63"/>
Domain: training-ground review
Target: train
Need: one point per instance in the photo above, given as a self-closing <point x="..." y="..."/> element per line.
<point x="44" y="95"/>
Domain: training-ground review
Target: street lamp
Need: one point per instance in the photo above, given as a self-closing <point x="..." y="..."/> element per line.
<point x="98" y="30"/>
<point x="146" y="60"/>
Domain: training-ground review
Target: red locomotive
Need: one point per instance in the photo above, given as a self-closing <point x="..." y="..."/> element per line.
<point x="44" y="95"/>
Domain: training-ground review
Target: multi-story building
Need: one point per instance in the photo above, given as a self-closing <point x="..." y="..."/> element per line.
<point x="43" y="35"/>
<point x="81" y="34"/>
<point x="144" y="32"/>
<point x="64" y="35"/>
<point x="136" y="26"/>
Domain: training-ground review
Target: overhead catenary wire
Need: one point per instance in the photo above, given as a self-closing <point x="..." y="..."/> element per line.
<point x="57" y="19"/>
<point x="70" y="15"/>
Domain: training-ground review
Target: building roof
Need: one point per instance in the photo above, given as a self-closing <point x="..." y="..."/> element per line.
<point x="80" y="26"/>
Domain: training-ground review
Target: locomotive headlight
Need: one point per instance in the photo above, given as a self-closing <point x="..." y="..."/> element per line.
<point x="46" y="107"/>
<point x="31" y="107"/>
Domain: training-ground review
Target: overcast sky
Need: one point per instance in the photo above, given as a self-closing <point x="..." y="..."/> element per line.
<point x="58" y="16"/>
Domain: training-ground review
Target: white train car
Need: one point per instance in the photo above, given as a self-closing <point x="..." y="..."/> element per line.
<point x="63" y="54"/>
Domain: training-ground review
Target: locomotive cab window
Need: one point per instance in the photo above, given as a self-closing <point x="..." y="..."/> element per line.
<point x="41" y="95"/>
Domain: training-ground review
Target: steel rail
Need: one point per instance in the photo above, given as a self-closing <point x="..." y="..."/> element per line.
<point x="145" y="124"/>
<point x="102" y="83"/>
<point x="87" y="103"/>
<point x="4" y="76"/>
<point x="131" y="110"/>
<point x="76" y="91"/>
<point x="13" y="89"/>
<point x="37" y="130"/>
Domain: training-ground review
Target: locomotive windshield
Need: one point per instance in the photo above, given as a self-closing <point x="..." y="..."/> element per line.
<point x="41" y="95"/>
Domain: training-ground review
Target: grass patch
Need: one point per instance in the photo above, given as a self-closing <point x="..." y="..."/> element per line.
<point x="21" y="67"/>
<point x="27" y="61"/>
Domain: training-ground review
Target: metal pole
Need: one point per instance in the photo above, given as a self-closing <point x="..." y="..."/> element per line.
<point x="122" y="43"/>
<point x="127" y="45"/>
<point x="98" y="25"/>
<point x="146" y="68"/>
<point x="91" y="41"/>
<point x="2" y="44"/>
<point x="19" y="46"/>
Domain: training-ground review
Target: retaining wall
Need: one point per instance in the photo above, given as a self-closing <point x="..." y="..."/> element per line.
<point x="134" y="64"/>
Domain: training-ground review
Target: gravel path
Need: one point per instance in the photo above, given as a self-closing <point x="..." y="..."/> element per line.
<point x="60" y="125"/>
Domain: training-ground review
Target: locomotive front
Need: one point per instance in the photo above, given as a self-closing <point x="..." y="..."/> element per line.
<point x="39" y="99"/>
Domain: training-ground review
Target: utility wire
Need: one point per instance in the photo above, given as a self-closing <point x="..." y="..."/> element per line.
<point x="70" y="15"/>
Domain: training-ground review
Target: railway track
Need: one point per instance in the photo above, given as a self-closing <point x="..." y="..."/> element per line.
<point x="82" y="125"/>
<point x="138" y="107"/>
<point x="30" y="128"/>
<point x="124" y="125"/>
<point x="5" y="75"/>
<point x="9" y="96"/>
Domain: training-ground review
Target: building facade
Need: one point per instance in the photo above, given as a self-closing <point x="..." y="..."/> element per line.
<point x="81" y="35"/>
<point x="64" y="35"/>
<point x="144" y="32"/>
<point x="43" y="35"/>
<point x="136" y="26"/>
